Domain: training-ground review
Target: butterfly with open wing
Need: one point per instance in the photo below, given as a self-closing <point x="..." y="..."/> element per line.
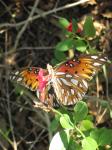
<point x="69" y="80"/>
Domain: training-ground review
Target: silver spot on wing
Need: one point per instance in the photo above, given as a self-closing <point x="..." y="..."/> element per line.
<point x="37" y="93"/>
<point x="65" y="100"/>
<point x="17" y="72"/>
<point x="79" y="95"/>
<point x="80" y="85"/>
<point x="60" y="73"/>
<point x="68" y="75"/>
<point x="85" y="83"/>
<point x="74" y="81"/>
<point x="102" y="59"/>
<point x="65" y="81"/>
<point x="97" y="64"/>
<point x="68" y="93"/>
<point x="94" y="57"/>
<point x="58" y="80"/>
<point x="62" y="91"/>
<point x="71" y="65"/>
<point x="13" y="77"/>
<point x="19" y="79"/>
<point x="72" y="91"/>
<point x="72" y="101"/>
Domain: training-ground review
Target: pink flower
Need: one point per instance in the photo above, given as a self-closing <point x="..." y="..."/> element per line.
<point x="42" y="80"/>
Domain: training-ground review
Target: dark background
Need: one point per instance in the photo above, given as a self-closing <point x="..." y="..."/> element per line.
<point x="21" y="125"/>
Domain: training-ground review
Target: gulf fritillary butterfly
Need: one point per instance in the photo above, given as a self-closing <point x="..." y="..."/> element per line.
<point x="69" y="80"/>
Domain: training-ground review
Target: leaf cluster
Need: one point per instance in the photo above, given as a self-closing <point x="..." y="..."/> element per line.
<point x="78" y="131"/>
<point x="74" y="37"/>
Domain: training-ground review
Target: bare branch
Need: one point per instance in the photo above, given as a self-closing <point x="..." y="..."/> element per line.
<point x="26" y="24"/>
<point x="43" y="14"/>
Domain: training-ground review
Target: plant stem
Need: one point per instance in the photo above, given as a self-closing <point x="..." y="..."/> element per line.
<point x="80" y="132"/>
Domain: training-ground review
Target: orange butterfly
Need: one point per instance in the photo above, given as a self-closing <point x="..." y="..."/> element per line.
<point x="68" y="80"/>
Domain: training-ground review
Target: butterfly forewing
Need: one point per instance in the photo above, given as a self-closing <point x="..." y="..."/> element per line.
<point x="26" y="77"/>
<point x="85" y="66"/>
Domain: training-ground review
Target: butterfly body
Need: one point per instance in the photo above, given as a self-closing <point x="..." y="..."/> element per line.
<point x="69" y="80"/>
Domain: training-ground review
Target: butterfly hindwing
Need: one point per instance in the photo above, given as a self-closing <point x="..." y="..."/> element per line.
<point x="69" y="88"/>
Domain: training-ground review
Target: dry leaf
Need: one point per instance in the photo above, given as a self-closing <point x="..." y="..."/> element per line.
<point x="107" y="14"/>
<point x="92" y="2"/>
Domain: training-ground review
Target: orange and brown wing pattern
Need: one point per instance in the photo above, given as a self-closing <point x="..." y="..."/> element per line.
<point x="71" y="78"/>
<point x="26" y="77"/>
<point x="85" y="66"/>
<point x="69" y="88"/>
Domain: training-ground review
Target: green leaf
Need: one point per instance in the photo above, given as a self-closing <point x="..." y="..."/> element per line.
<point x="89" y="144"/>
<point x="103" y="136"/>
<point x="74" y="25"/>
<point x="90" y="118"/>
<point x="73" y="144"/>
<point x="64" y="23"/>
<point x="80" y="111"/>
<point x="93" y="51"/>
<point x="95" y="134"/>
<point x="80" y="45"/>
<point x="60" y="55"/>
<point x="67" y="33"/>
<point x="104" y="103"/>
<point x="60" y="141"/>
<point x="54" y="125"/>
<point x="89" y="29"/>
<point x="86" y="125"/>
<point x="65" y="45"/>
<point x="54" y="61"/>
<point x="66" y="122"/>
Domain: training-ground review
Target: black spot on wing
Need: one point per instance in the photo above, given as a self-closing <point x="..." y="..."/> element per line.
<point x="29" y="69"/>
<point x="36" y="71"/>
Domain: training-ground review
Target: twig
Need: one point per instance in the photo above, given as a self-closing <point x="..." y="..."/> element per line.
<point x="37" y="123"/>
<point x="36" y="140"/>
<point x="26" y="24"/>
<point x="7" y="9"/>
<point x="30" y="49"/>
<point x="2" y="146"/>
<point x="101" y="116"/>
<point x="36" y="48"/>
<point x="107" y="83"/>
<point x="81" y="133"/>
<point x="44" y="14"/>
<point x="56" y="4"/>
<point x="48" y="125"/>
<point x="8" y="98"/>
